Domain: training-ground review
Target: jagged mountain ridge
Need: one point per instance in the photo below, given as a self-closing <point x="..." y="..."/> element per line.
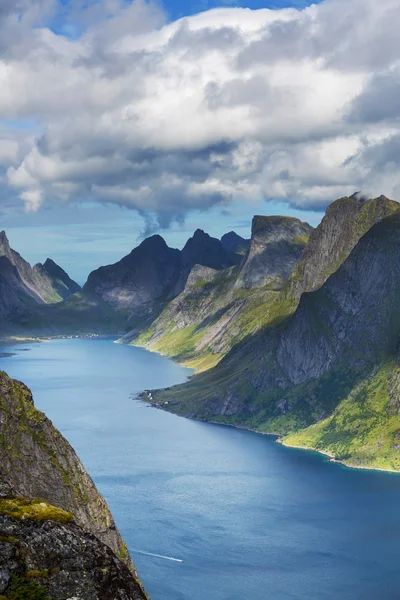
<point x="153" y="273"/>
<point x="345" y="222"/>
<point x="23" y="287"/>
<point x="206" y="320"/>
<point x="217" y="309"/>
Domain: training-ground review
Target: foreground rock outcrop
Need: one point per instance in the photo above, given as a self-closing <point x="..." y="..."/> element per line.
<point x="45" y="555"/>
<point x="70" y="530"/>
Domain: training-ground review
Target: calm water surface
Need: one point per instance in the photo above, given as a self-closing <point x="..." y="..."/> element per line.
<point x="249" y="519"/>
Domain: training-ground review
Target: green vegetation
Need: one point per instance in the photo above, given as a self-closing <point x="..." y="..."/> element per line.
<point x="39" y="510"/>
<point x="301" y="240"/>
<point x="364" y="429"/>
<point x="23" y="589"/>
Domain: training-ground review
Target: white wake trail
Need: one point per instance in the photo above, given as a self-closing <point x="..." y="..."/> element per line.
<point x="157" y="555"/>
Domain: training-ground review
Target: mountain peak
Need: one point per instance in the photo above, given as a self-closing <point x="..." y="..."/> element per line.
<point x="4" y="243"/>
<point x="154" y="241"/>
<point x="276" y="247"/>
<point x="60" y="280"/>
<point x="200" y="234"/>
<point x="346" y="221"/>
<point x="235" y="243"/>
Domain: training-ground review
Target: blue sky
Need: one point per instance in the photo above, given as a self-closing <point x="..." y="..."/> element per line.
<point x="177" y="9"/>
<point x="84" y="236"/>
<point x="119" y="118"/>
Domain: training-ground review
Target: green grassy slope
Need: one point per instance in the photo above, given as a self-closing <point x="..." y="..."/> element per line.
<point x="364" y="429"/>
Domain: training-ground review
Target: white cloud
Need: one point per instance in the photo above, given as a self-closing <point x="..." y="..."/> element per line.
<point x="227" y="104"/>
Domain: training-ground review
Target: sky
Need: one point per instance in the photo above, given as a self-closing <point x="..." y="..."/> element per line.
<point x="120" y="118"/>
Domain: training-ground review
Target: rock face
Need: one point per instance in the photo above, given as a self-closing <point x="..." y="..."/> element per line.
<point x="58" y="539"/>
<point x="345" y="222"/>
<point x="154" y="273"/>
<point x="61" y="281"/>
<point x="354" y="314"/>
<point x="202" y="249"/>
<point x="146" y="275"/>
<point x="276" y="247"/>
<point x="38" y="462"/>
<point x="235" y="243"/>
<point x="23" y="287"/>
<point x="46" y="559"/>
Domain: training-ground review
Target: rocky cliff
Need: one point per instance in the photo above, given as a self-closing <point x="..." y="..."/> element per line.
<point x="24" y="288"/>
<point x="37" y="461"/>
<point x="276" y="247"/>
<point x="45" y="555"/>
<point x="55" y="527"/>
<point x="345" y="222"/>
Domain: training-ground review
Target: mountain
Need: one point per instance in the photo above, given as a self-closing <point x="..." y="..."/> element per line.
<point x="61" y="281"/>
<point x="235" y="243"/>
<point x="276" y="247"/>
<point x="56" y="531"/>
<point x="217" y="309"/>
<point x="344" y="223"/>
<point x="202" y="249"/>
<point x="23" y="288"/>
<point x="142" y="282"/>
<point x="146" y="275"/>
<point x="324" y="363"/>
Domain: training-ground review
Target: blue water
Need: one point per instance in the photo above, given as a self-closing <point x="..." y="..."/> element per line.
<point x="250" y="520"/>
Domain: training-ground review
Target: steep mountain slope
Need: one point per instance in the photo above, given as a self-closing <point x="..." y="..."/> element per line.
<point x="146" y="275"/>
<point x="61" y="281"/>
<point x="345" y="222"/>
<point x="276" y="247"/>
<point x="33" y="282"/>
<point x="296" y="373"/>
<point x="219" y="308"/>
<point x="24" y="288"/>
<point x="38" y="462"/>
<point x="55" y="527"/>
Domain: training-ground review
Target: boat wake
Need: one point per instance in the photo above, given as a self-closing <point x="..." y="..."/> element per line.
<point x="157" y="555"/>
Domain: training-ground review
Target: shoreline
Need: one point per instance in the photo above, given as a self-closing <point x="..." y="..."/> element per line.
<point x="279" y="439"/>
<point x="333" y="459"/>
<point x="16" y="341"/>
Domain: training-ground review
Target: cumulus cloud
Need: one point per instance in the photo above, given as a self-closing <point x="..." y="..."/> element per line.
<point x="166" y="118"/>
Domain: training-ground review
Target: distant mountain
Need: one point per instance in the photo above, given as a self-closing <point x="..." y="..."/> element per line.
<point x="148" y="274"/>
<point x="235" y="243"/>
<point x="217" y="309"/>
<point x="61" y="281"/>
<point x="24" y="287"/>
<point x="153" y="273"/>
